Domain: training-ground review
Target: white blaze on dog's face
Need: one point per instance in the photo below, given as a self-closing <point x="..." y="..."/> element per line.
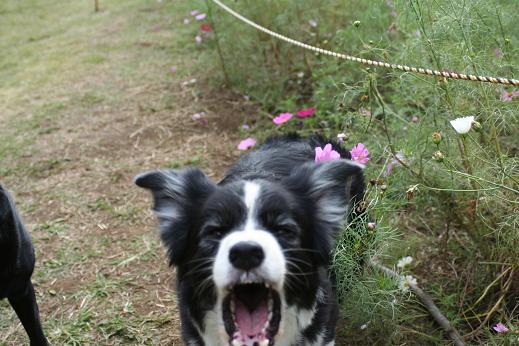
<point x="263" y="259"/>
<point x="249" y="272"/>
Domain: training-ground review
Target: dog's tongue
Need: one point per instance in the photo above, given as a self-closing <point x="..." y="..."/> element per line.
<point x="251" y="322"/>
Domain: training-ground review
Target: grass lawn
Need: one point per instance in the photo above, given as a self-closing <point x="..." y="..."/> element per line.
<point x="88" y="100"/>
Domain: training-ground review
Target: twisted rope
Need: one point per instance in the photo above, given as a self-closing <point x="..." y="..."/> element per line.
<point x="426" y="71"/>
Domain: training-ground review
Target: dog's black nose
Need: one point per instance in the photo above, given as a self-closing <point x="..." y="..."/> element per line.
<point x="246" y="255"/>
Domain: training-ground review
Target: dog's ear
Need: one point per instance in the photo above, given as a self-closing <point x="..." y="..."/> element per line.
<point x="178" y="195"/>
<point x="8" y="215"/>
<point x="325" y="190"/>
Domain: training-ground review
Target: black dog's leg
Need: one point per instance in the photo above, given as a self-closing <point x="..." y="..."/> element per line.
<point x="26" y="308"/>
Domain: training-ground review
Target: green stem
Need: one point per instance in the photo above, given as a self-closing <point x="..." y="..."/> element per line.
<point x="484" y="180"/>
<point x="217" y="40"/>
<point x="464" y="154"/>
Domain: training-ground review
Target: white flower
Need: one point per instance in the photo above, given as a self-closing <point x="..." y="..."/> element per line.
<point x="404" y="262"/>
<point x="313" y="23"/>
<point x="198" y="116"/>
<point x="189" y="82"/>
<point x="406" y="282"/>
<point x="462" y="125"/>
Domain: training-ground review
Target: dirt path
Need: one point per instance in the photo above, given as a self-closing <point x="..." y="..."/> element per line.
<point x="75" y="145"/>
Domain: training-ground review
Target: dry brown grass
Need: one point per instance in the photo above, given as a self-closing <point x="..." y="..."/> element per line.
<point x="101" y="274"/>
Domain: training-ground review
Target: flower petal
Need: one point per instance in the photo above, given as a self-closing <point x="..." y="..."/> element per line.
<point x="282" y="118"/>
<point x="247" y="143"/>
<point x="307" y="112"/>
<point x="462" y="125"/>
<point x="326" y="154"/>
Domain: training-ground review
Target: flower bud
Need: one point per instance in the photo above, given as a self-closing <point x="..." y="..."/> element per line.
<point x="341" y="137"/>
<point x="476" y="125"/>
<point x="364" y="98"/>
<point x="438" y="156"/>
<point x="410" y="192"/>
<point x="356" y="23"/>
<point x="436" y="138"/>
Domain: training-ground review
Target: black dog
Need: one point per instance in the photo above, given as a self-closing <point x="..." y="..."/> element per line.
<point x="253" y="252"/>
<point x="16" y="267"/>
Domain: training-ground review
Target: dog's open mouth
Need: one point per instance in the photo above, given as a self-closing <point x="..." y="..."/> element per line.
<point x="251" y="314"/>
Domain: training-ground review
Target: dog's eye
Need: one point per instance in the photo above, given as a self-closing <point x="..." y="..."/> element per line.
<point x="213" y="231"/>
<point x="289" y="231"/>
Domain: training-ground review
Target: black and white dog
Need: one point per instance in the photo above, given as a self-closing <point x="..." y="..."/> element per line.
<point x="252" y="252"/>
<point x="16" y="267"/>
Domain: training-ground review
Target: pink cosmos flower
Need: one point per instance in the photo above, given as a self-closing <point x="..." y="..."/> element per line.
<point x="200" y="16"/>
<point x="364" y="111"/>
<point x="500" y="328"/>
<point x="307" y="112"/>
<point x="194" y="12"/>
<point x="173" y="69"/>
<point x="245" y="126"/>
<point x="372" y="225"/>
<point x="414" y="119"/>
<point x="247" y="143"/>
<point x="200" y="117"/>
<point x="392" y="28"/>
<point x="360" y="154"/>
<point x="507" y="96"/>
<point x="198" y="39"/>
<point x="206" y="27"/>
<point x="282" y="118"/>
<point x="326" y="154"/>
<point x="394" y="162"/>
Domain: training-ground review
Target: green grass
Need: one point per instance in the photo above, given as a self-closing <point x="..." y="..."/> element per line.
<point x="457" y="218"/>
<point x="62" y="65"/>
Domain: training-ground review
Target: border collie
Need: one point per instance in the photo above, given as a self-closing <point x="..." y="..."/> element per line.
<point x="252" y="252"/>
<point x="16" y="267"/>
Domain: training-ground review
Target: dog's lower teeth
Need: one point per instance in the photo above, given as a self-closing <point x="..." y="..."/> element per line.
<point x="236" y="343"/>
<point x="264" y="342"/>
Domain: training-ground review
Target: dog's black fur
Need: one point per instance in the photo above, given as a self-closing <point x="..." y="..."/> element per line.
<point x="16" y="267"/>
<point x="196" y="215"/>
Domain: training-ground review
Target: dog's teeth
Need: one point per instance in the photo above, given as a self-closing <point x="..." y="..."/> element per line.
<point x="264" y="342"/>
<point x="235" y="342"/>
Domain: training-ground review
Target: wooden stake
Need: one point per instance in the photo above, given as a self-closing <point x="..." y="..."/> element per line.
<point x="428" y="303"/>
